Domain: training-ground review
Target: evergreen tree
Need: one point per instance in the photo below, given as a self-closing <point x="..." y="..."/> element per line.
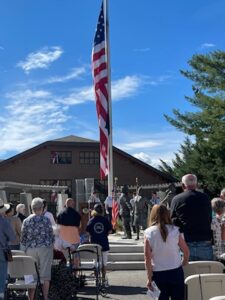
<point x="206" y="124"/>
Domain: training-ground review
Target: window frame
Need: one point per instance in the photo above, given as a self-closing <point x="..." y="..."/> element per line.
<point x="89" y="158"/>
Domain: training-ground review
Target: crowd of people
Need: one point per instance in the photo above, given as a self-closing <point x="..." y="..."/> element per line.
<point x="44" y="237"/>
<point x="192" y="229"/>
<point x="178" y="228"/>
<point x="183" y="226"/>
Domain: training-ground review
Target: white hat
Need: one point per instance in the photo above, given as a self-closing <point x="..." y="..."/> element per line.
<point x="3" y="207"/>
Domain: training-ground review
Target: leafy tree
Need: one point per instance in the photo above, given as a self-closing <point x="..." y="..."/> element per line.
<point x="206" y="123"/>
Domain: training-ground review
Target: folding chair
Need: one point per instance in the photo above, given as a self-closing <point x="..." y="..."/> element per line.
<point x="17" y="269"/>
<point x="218" y="298"/>
<point x="202" y="267"/>
<point x="18" y="252"/>
<point x="204" y="286"/>
<point x="90" y="256"/>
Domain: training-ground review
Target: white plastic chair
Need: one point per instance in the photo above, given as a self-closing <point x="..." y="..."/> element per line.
<point x="20" y="267"/>
<point x="18" y="252"/>
<point x="204" y="286"/>
<point x="202" y="267"/>
<point x="90" y="253"/>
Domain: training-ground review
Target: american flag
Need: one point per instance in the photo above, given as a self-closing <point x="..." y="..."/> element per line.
<point x="100" y="77"/>
<point x="115" y="211"/>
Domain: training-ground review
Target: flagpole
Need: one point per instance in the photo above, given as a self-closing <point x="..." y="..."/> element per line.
<point x="110" y="143"/>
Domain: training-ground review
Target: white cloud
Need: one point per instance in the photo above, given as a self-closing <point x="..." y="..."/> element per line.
<point x="33" y="115"/>
<point x="125" y="87"/>
<point x="78" y="96"/>
<point x="152" y="146"/>
<point x="29" y="118"/>
<point x="207" y="45"/>
<point x="40" y="59"/>
<point x="140" y="145"/>
<point x="162" y="79"/>
<point x="122" y="88"/>
<point x="144" y="157"/>
<point x="74" y="74"/>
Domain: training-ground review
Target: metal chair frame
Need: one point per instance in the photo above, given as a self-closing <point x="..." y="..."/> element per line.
<point x="90" y="259"/>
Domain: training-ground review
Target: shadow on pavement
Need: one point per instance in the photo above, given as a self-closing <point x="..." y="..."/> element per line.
<point x="112" y="292"/>
<point x="126" y="290"/>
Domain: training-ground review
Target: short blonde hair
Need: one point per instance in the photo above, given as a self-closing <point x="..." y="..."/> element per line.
<point x="70" y="202"/>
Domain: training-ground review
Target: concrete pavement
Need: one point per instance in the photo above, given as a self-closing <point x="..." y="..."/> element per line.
<point x="122" y="285"/>
<point x="127" y="284"/>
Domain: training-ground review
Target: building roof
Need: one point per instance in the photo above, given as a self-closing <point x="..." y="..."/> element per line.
<point x="74" y="139"/>
<point x="79" y="141"/>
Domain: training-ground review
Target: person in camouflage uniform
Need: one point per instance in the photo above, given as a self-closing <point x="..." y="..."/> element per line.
<point x="140" y="212"/>
<point x="125" y="212"/>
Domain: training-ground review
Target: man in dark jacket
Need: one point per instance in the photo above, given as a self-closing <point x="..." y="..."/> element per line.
<point x="191" y="211"/>
<point x="125" y="212"/>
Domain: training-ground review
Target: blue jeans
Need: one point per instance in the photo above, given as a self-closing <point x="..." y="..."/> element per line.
<point x="200" y="250"/>
<point x="3" y="272"/>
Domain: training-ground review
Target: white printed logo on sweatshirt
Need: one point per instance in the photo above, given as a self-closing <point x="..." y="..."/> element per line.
<point x="98" y="228"/>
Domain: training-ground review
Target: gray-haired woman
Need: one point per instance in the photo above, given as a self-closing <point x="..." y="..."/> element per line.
<point x="37" y="240"/>
<point x="6" y="235"/>
<point x="20" y="209"/>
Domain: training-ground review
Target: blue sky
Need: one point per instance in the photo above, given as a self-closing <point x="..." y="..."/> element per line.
<point x="46" y="87"/>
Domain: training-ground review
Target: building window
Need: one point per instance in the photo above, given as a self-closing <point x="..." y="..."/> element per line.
<point x="61" y="157"/>
<point x="14" y="198"/>
<point x="61" y="182"/>
<point x="89" y="158"/>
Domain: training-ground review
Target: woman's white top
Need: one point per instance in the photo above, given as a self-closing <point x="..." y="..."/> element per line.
<point x="165" y="255"/>
<point x="49" y="215"/>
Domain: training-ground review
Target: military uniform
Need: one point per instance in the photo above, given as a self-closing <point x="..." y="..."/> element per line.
<point x="140" y="213"/>
<point x="125" y="213"/>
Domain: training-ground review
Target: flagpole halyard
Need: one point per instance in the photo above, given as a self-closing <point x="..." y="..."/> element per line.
<point x="110" y="143"/>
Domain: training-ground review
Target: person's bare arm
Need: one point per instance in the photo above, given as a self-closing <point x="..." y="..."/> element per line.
<point x="148" y="265"/>
<point x="184" y="248"/>
<point x="106" y="208"/>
